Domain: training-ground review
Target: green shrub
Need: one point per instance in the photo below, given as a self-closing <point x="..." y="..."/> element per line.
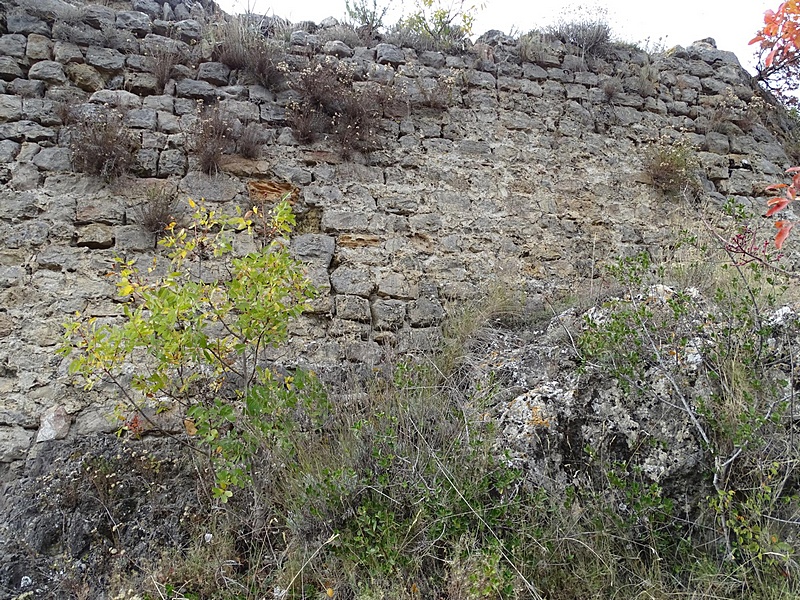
<point x="198" y="334"/>
<point x="240" y="44"/>
<point x="589" y="37"/>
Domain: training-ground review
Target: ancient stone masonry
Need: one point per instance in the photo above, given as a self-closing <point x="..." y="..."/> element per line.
<point x="484" y="168"/>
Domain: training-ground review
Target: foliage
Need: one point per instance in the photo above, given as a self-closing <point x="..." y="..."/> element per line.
<point x="198" y="332"/>
<point x="157" y="212"/>
<point x="240" y="44"/>
<point x="331" y="105"/>
<point x="779" y="42"/>
<point x="367" y="14"/>
<point x="101" y="144"/>
<point x="589" y="34"/>
<point x="780" y="38"/>
<point x="445" y="25"/>
<point x="673" y="166"/>
<point x="211" y="137"/>
<point x="717" y="361"/>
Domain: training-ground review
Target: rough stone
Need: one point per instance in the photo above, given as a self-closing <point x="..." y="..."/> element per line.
<point x="14" y="443"/>
<point x="337" y="48"/>
<point x="85" y="77"/>
<point x="388" y="314"/>
<point x="116" y="98"/>
<point x="353" y="308"/>
<point x="54" y="159"/>
<point x="134" y="21"/>
<point x="172" y="163"/>
<point x="39" y="47"/>
<point x="105" y="59"/>
<point x="141" y="118"/>
<point x="189" y="31"/>
<point x="10" y="108"/>
<point x="197" y="90"/>
<point x="9" y="69"/>
<point x="352" y="281"/>
<point x="151" y="8"/>
<point x="48" y="71"/>
<point x="54" y="424"/>
<point x="215" y="73"/>
<point x="389" y="54"/>
<point x="13" y="45"/>
<point x="98" y="16"/>
<point x="67" y="52"/>
<point x="314" y="248"/>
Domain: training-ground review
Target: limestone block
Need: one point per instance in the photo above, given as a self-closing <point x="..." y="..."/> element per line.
<point x="105" y="59"/>
<point x="26" y="131"/>
<point x="246" y="112"/>
<point x="98" y="16"/>
<point x="96" y="236"/>
<point x="352" y="280"/>
<point x="146" y="162"/>
<point x="85" y="77"/>
<point x="133" y="238"/>
<point x="9" y="69"/>
<point x="389" y="54"/>
<point x="215" y="73"/>
<point x="60" y="258"/>
<point x="432" y="59"/>
<point x="13" y="45"/>
<point x="198" y="90"/>
<point x="395" y="285"/>
<point x="99" y="209"/>
<point x="39" y="47"/>
<point x="353" y="308"/>
<point x="134" y="21"/>
<point x="388" y="314"/>
<point x="54" y="159"/>
<point x="8" y="151"/>
<point x="424" y="312"/>
<point x="314" y="248"/>
<point x="14" y="443"/>
<point x="26" y="88"/>
<point x="48" y="71"/>
<point x="25" y="23"/>
<point x="188" y="30"/>
<point x="337" y="48"/>
<point x="218" y="188"/>
<point x="141" y="118"/>
<point x="141" y="84"/>
<point x="54" y="424"/>
<point x="172" y="162"/>
<point x="339" y="220"/>
<point x="116" y="98"/>
<point x="168" y="123"/>
<point x="151" y="8"/>
<point x="10" y="108"/>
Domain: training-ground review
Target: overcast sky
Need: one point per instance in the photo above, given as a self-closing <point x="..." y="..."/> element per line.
<point x="732" y="23"/>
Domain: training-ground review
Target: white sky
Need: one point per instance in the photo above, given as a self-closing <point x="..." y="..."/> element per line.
<point x="732" y="23"/>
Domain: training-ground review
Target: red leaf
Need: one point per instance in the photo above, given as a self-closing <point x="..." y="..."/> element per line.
<point x="793" y="170"/>
<point x="776" y="186"/>
<point x="777" y="205"/>
<point x="784" y="228"/>
<point x="770" y="58"/>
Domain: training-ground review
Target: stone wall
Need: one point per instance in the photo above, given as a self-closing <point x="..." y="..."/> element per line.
<point x="490" y="169"/>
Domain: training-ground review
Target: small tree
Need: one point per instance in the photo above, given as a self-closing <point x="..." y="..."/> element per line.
<point x="198" y="332"/>
<point x="780" y="40"/>
<point x="440" y="21"/>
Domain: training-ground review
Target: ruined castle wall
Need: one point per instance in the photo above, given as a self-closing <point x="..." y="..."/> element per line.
<point x="489" y="169"/>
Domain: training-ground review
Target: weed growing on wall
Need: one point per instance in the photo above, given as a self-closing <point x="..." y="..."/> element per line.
<point x="101" y="145"/>
<point x="197" y="334"/>
<point x="673" y="166"/>
<point x="332" y="106"/>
